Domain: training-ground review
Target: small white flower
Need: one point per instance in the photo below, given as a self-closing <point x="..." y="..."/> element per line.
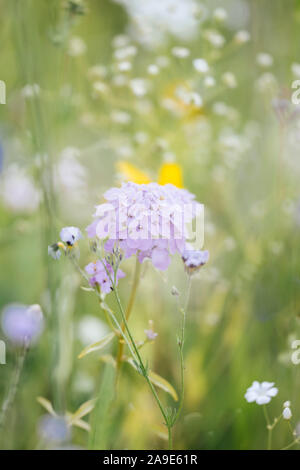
<point x="296" y="69"/>
<point x="54" y="251"/>
<point x="242" y="36"/>
<point x="220" y="14"/>
<point x="181" y="52"/>
<point x="229" y="80"/>
<point x="261" y="393"/>
<point x="287" y="414"/>
<point x="201" y="65"/>
<point x="287" y="404"/>
<point x="124" y="66"/>
<point x="153" y="69"/>
<point x="77" y="46"/>
<point x="139" y="86"/>
<point x="209" y="81"/>
<point x="264" y="60"/>
<point x="70" y="235"/>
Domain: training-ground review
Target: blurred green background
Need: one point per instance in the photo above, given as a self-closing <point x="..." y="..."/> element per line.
<point x="73" y="110"/>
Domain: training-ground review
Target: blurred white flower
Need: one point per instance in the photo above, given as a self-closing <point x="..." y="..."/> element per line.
<point x="121" y="40"/>
<point x="124" y="53"/>
<point x="120" y="117"/>
<point x="153" y="69"/>
<point x="220" y="14"/>
<point x="153" y="20"/>
<point x="18" y="191"/>
<point x="229" y="80"/>
<point x="201" y="65"/>
<point x="139" y="86"/>
<point x="296" y="69"/>
<point x="90" y="329"/>
<point x="31" y="90"/>
<point x="261" y="393"/>
<point x="180" y="52"/>
<point x="214" y="37"/>
<point x="209" y="81"/>
<point x="99" y="88"/>
<point x="242" y="36"/>
<point x="124" y="66"/>
<point x="98" y="71"/>
<point x="266" y="83"/>
<point x="76" y="46"/>
<point x="264" y="60"/>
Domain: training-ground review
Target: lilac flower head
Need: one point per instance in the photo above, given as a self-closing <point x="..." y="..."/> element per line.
<point x="194" y="259"/>
<point x="70" y="235"/>
<point x="99" y="275"/>
<point x="22" y="324"/>
<point x="149" y="220"/>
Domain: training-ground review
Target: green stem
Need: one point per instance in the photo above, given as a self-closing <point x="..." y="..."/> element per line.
<point x="9" y="400"/>
<point x="269" y="427"/>
<point x="141" y="364"/>
<point x="127" y="315"/>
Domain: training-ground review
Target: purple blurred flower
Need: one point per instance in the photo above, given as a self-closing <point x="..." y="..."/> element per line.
<point x="149" y="220"/>
<point x="194" y="259"/>
<point x="22" y="324"/>
<point x="100" y="276"/>
<point x="54" y="429"/>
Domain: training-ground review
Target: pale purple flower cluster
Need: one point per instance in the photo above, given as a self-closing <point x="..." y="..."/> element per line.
<point x="99" y="275"/>
<point x="149" y="220"/>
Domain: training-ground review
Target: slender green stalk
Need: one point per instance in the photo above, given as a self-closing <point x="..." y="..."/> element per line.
<point x="140" y="362"/>
<point x="136" y="279"/>
<point x="269" y="427"/>
<point x="12" y="390"/>
<point x="181" y="346"/>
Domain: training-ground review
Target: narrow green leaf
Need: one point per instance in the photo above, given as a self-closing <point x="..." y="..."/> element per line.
<point x="83" y="410"/>
<point x="158" y="381"/>
<point x="96" y="346"/>
<point x="47" y="405"/>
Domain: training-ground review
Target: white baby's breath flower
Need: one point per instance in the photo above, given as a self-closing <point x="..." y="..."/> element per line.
<point x="100" y="87"/>
<point x="76" y="47"/>
<point x="215" y="38"/>
<point x="153" y="69"/>
<point x="264" y="60"/>
<point x="31" y="90"/>
<point x="120" y="80"/>
<point x="220" y="14"/>
<point x="120" y="41"/>
<point x="124" y="66"/>
<point x="120" y="117"/>
<point x="139" y="86"/>
<point x="287" y="414"/>
<point x="261" y="393"/>
<point x="201" y="65"/>
<point x="125" y="52"/>
<point x="229" y="80"/>
<point x="209" y="81"/>
<point x="180" y="52"/>
<point x="296" y="69"/>
<point x="98" y="71"/>
<point x="242" y="36"/>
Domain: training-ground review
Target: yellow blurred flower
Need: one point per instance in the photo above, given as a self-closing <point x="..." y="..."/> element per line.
<point x="169" y="173"/>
